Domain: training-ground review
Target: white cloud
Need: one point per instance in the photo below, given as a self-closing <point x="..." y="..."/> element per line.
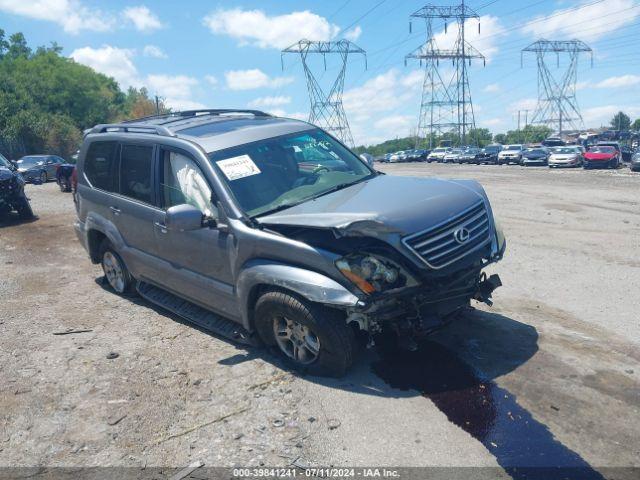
<point x="252" y="79"/>
<point x="153" y="51"/>
<point x="353" y="34"/>
<point x="71" y="15"/>
<point x="176" y="90"/>
<point x="281" y="113"/>
<point x="486" y="43"/>
<point x="174" y="86"/>
<point x="142" y="18"/>
<point x="588" y="23"/>
<point x="617" y="82"/>
<point x="492" y="88"/>
<point x="113" y="62"/>
<point x="211" y="80"/>
<point x="254" y="27"/>
<point x="523" y="104"/>
<point x="395" y="123"/>
<point x="602" y="115"/>
<point x="264" y="102"/>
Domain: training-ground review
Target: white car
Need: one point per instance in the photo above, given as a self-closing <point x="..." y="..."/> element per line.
<point x="400" y="156"/>
<point x="510" y="154"/>
<point x="565" y="157"/>
<point x="437" y="154"/>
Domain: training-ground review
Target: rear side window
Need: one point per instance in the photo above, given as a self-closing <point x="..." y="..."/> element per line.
<point x="101" y="166"/>
<point x="135" y="172"/>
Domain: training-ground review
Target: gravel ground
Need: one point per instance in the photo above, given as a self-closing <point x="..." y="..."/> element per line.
<point x="549" y="375"/>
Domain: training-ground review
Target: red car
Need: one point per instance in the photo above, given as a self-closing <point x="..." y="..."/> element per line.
<point x="601" y="157"/>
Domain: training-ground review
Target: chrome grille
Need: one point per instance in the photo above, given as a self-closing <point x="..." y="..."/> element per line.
<point x="438" y="246"/>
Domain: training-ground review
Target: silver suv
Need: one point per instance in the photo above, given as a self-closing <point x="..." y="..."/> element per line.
<point x="269" y="231"/>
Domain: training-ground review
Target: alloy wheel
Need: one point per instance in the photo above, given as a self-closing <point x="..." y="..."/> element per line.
<point x="296" y="341"/>
<point x="114" y="272"/>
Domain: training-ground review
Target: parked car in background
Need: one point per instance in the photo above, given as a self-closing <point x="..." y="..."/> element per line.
<point x="565" y="157"/>
<point x="470" y="155"/>
<point x="12" y="195"/>
<point x="42" y="167"/>
<point x="400" y="156"/>
<point x="510" y="154"/>
<point x="635" y="162"/>
<point x="553" y="142"/>
<point x="626" y="153"/>
<point x="535" y="156"/>
<point x="418" y="155"/>
<point x="453" y="156"/>
<point x="489" y="154"/>
<point x="437" y="154"/>
<point x="228" y="233"/>
<point x="602" y="156"/>
<point x="367" y="158"/>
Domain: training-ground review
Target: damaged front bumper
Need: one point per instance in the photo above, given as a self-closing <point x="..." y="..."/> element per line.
<point x="420" y="310"/>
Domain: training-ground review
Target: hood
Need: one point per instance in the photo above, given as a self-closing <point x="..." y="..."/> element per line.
<point x="599" y="156"/>
<point x="534" y="155"/>
<point x="383" y="205"/>
<point x="564" y="156"/>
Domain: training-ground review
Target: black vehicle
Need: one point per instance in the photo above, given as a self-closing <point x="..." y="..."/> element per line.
<point x="635" y="162"/>
<point x="626" y="152"/>
<point x="489" y="155"/>
<point x="63" y="176"/>
<point x="535" y="156"/>
<point x="419" y="155"/>
<point x="39" y="167"/>
<point x="12" y="196"/>
<point x="553" y="142"/>
<point x="470" y="155"/>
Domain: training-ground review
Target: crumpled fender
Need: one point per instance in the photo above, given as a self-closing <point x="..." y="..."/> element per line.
<point x="313" y="286"/>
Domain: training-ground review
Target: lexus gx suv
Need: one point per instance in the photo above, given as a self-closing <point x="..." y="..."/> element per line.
<point x="270" y="231"/>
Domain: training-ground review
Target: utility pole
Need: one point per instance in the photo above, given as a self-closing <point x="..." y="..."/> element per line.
<point x="326" y="108"/>
<point x="157" y="105"/>
<point x="557" y="105"/>
<point x="446" y="105"/>
<point x="519" y="132"/>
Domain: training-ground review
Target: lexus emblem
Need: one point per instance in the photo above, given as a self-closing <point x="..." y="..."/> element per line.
<point x="461" y="235"/>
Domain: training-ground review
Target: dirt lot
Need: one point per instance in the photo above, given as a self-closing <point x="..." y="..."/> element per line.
<point x="549" y="376"/>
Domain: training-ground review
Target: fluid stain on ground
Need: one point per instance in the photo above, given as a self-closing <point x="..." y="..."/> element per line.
<point x="524" y="447"/>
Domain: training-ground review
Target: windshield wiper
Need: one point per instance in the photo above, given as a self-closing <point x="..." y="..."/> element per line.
<point x="280" y="207"/>
<point x="342" y="186"/>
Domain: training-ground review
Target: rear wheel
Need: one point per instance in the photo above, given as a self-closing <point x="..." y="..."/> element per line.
<point x="310" y="337"/>
<point x="115" y="270"/>
<point x="43" y="177"/>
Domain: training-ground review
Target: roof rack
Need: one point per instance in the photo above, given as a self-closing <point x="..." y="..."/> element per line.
<point x="174" y="116"/>
<point x="133" y="128"/>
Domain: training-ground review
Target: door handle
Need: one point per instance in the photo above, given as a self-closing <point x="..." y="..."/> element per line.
<point x="161" y="226"/>
<point x="115" y="210"/>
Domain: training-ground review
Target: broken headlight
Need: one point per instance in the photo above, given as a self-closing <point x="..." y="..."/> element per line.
<point x="500" y="239"/>
<point x="373" y="274"/>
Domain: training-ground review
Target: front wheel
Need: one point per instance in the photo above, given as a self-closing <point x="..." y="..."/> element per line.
<point x="310" y="337"/>
<point x="43" y="177"/>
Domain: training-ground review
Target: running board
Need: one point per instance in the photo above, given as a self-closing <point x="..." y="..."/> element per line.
<point x="196" y="314"/>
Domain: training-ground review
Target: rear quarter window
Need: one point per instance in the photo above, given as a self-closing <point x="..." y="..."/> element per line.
<point x="101" y="166"/>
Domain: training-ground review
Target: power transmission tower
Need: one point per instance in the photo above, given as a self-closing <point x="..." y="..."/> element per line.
<point x="446" y="105"/>
<point x="557" y="105"/>
<point x="326" y="109"/>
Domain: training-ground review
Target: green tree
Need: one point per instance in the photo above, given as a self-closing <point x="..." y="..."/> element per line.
<point x="621" y="121"/>
<point x="480" y="137"/>
<point x="636" y="125"/>
<point x="500" y="138"/>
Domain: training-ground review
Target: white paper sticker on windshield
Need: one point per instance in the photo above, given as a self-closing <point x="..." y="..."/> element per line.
<point x="238" y="167"/>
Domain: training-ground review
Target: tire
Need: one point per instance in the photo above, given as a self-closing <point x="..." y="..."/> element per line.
<point x="326" y="330"/>
<point x="24" y="209"/>
<point x="115" y="271"/>
<point x="44" y="178"/>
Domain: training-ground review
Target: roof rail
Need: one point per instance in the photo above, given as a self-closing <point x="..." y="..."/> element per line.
<point x="133" y="128"/>
<point x="221" y="111"/>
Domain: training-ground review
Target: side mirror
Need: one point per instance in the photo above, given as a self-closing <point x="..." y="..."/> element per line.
<point x="183" y="218"/>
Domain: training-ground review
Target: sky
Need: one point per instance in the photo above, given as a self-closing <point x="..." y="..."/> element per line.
<point x="226" y="54"/>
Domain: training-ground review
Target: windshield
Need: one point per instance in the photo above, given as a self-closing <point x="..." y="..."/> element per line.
<point x="601" y="150"/>
<point x="514" y="147"/>
<point x="31" y="161"/>
<point x="440" y="150"/>
<point x="563" y="150"/>
<point x="284" y="171"/>
<point x="491" y="149"/>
